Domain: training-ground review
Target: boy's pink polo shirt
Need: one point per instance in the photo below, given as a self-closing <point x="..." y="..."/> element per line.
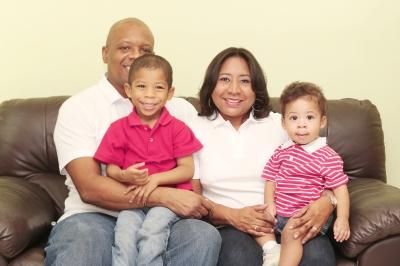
<point x="128" y="141"/>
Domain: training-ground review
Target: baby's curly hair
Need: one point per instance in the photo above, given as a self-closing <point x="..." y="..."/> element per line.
<point x="300" y="89"/>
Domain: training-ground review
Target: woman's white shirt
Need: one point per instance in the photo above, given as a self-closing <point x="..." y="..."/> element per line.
<point x="231" y="162"/>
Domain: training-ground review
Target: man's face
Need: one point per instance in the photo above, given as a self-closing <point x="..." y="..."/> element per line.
<point x="125" y="43"/>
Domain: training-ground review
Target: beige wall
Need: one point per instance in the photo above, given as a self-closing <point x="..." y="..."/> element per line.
<point x="350" y="48"/>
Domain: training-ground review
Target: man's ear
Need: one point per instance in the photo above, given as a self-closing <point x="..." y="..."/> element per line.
<point x="323" y="121"/>
<point x="171" y="92"/>
<point x="128" y="90"/>
<point x="104" y="53"/>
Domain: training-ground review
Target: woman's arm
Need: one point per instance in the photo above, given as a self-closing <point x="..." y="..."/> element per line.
<point x="253" y="220"/>
<point x="310" y="219"/>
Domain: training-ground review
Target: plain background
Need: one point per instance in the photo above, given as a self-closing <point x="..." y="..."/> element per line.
<point x="349" y="48"/>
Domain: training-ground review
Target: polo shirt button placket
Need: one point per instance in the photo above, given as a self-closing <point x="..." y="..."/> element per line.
<point x="151" y="139"/>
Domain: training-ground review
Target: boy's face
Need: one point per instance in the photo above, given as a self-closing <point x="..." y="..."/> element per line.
<point x="149" y="92"/>
<point x="303" y="120"/>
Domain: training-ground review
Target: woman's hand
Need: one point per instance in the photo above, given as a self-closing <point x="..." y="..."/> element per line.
<point x="254" y="220"/>
<point x="310" y="219"/>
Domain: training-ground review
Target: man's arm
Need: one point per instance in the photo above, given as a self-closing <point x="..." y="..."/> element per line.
<point x="108" y="193"/>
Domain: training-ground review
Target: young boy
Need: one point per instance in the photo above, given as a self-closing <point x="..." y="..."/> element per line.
<point x="146" y="149"/>
<point x="300" y="170"/>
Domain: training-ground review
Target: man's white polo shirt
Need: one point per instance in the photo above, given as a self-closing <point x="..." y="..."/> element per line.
<point x="82" y="121"/>
<point x="231" y="162"/>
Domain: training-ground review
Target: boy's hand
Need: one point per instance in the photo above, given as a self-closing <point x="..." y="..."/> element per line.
<point x="135" y="176"/>
<point x="141" y="193"/>
<point x="341" y="229"/>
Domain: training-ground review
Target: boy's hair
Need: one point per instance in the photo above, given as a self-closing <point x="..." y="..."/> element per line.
<point x="298" y="90"/>
<point x="151" y="61"/>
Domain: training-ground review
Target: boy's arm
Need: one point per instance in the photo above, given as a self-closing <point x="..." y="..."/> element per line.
<point x="269" y="197"/>
<point x="196" y="185"/>
<point x="343" y="201"/>
<point x="183" y="172"/>
<point x="114" y="171"/>
<point x="269" y="192"/>
<point x="133" y="175"/>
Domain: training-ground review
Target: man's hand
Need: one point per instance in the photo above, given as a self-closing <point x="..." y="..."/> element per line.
<point x="310" y="219"/>
<point x="184" y="203"/>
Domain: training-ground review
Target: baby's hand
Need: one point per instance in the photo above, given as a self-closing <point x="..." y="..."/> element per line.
<point x="271" y="208"/>
<point x="136" y="176"/>
<point x="341" y="229"/>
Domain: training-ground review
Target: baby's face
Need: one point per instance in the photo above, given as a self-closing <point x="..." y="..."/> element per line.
<point x="303" y="120"/>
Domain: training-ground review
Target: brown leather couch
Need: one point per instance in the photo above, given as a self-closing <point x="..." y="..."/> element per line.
<point x="32" y="192"/>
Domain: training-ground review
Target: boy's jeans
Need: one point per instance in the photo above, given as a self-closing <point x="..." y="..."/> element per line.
<point x="87" y="238"/>
<point x="141" y="236"/>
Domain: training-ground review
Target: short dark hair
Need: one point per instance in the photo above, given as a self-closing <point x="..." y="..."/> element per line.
<point x="300" y="89"/>
<point x="151" y="61"/>
<point x="261" y="107"/>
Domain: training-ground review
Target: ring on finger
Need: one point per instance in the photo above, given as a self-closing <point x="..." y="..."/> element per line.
<point x="256" y="228"/>
<point x="316" y="228"/>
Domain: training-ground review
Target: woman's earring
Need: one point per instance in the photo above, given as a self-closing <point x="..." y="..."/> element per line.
<point x="209" y="102"/>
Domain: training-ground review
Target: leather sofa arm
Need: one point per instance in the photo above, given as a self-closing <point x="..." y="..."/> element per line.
<point x="374" y="214"/>
<point x="26" y="212"/>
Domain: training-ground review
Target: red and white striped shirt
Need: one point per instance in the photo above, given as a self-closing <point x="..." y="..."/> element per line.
<point x="301" y="173"/>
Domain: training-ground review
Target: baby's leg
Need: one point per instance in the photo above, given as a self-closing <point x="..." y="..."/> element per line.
<point x="291" y="249"/>
<point x="271" y="249"/>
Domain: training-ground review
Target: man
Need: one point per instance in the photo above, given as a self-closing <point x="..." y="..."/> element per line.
<point x="84" y="235"/>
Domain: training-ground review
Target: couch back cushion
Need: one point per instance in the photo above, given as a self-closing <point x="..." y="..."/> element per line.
<point x="27" y="148"/>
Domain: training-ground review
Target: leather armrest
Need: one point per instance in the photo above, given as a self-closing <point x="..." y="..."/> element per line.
<point x="374" y="214"/>
<point x="26" y="212"/>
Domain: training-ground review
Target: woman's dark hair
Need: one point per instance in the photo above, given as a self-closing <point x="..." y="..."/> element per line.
<point x="261" y="107"/>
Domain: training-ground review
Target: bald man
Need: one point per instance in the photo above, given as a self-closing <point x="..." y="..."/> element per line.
<point x="84" y="235"/>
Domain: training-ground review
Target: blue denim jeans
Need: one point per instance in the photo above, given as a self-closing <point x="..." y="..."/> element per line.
<point x="141" y="236"/>
<point x="282" y="221"/>
<point x="239" y="248"/>
<point x="87" y="238"/>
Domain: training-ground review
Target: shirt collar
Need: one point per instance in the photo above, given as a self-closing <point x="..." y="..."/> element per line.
<point x="110" y="93"/>
<point x="219" y="120"/>
<point x="309" y="147"/>
<point x="165" y="118"/>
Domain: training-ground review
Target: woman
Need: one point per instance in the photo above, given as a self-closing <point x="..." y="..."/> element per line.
<point x="239" y="134"/>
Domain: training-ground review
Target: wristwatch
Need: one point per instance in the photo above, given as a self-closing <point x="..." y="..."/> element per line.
<point x="332" y="199"/>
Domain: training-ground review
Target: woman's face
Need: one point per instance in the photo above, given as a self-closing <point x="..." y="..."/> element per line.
<point x="233" y="94"/>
